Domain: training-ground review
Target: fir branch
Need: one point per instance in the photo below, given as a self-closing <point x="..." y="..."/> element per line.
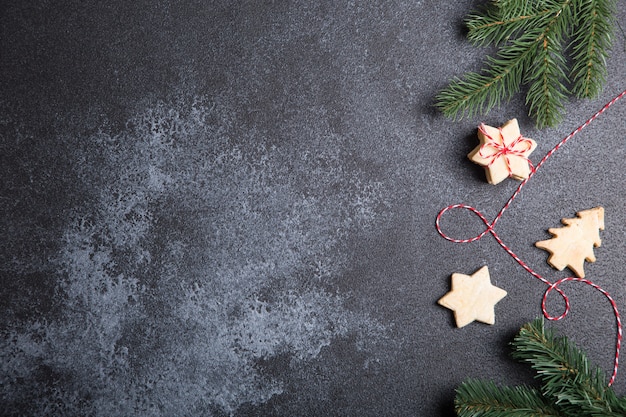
<point x="485" y="399"/>
<point x="591" y="40"/>
<point x="564" y="370"/>
<point x="569" y="387"/>
<point x="479" y="93"/>
<point x="546" y="93"/>
<point x="497" y="25"/>
<point x="533" y="37"/>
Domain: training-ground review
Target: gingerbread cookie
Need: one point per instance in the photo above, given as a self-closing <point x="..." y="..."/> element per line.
<point x="573" y="244"/>
<point x="473" y="297"/>
<point x="503" y="152"/>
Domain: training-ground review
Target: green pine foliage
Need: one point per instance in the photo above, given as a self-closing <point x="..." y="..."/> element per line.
<point x="485" y="399"/>
<point x="569" y="386"/>
<point x="554" y="48"/>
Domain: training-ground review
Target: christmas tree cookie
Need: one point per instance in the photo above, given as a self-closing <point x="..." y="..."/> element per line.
<point x="573" y="244"/>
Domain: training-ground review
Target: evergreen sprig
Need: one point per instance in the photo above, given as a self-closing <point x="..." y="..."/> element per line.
<point x="480" y="398"/>
<point x="537" y="40"/>
<point x="569" y="387"/>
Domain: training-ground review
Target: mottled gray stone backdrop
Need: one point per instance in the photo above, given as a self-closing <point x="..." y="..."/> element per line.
<point x="215" y="208"/>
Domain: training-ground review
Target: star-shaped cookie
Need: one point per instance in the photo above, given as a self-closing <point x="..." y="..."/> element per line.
<point x="503" y="152"/>
<point x="473" y="297"/>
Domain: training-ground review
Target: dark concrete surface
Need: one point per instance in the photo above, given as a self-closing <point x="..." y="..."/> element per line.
<point x="227" y="208"/>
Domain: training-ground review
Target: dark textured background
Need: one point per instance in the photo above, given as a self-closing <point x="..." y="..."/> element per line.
<point x="214" y="208"/>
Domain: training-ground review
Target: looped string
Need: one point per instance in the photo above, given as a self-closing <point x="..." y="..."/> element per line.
<point x="555" y="286"/>
<point x="489" y="228"/>
<point x="494" y="149"/>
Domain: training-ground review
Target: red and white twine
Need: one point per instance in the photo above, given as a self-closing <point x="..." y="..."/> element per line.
<point x="493" y="149"/>
<point x="551" y="286"/>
